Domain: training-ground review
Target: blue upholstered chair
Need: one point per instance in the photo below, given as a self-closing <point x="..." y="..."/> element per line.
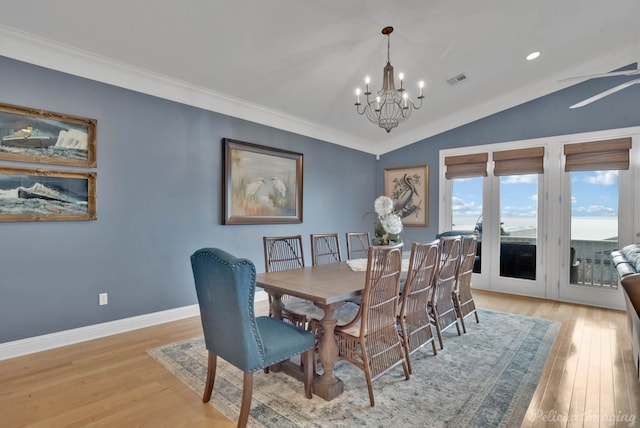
<point x="226" y="286"/>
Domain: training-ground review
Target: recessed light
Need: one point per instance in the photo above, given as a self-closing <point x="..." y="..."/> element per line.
<point x="533" y="55"/>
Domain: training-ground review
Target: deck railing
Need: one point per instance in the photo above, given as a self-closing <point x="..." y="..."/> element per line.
<point x="592" y="265"/>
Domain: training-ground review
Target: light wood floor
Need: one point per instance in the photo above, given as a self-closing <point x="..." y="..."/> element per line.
<point x="588" y="380"/>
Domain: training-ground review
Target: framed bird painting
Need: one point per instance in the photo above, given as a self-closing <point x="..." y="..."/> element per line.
<point x="408" y="187"/>
<point x="261" y="184"/>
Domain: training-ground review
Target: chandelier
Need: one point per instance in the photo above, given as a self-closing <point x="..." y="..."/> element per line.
<point x="391" y="106"/>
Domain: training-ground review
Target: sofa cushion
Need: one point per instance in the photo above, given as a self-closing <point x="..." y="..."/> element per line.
<point x="617" y="257"/>
<point x="632" y="254"/>
<point x="625" y="269"/>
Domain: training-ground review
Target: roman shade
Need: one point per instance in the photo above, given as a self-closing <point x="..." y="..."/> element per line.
<point x="519" y="161"/>
<point x="597" y="155"/>
<point x="463" y="166"/>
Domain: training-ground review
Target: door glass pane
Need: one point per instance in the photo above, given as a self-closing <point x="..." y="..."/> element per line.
<point x="466" y="210"/>
<point x="518" y="225"/>
<point x="594" y="228"/>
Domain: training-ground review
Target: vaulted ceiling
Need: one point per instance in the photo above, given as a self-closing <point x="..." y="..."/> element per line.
<point x="295" y="64"/>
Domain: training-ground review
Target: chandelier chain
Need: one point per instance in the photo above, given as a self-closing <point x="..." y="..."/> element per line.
<point x="389" y="48"/>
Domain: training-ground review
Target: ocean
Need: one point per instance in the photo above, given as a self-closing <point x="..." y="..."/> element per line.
<point x="582" y="228"/>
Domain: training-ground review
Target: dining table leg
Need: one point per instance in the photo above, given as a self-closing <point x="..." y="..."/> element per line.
<point x="328" y="386"/>
<point x="276" y="306"/>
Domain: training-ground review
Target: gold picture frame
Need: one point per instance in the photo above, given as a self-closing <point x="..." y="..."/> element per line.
<point x="38" y="194"/>
<point x="408" y="187"/>
<point x="40" y="136"/>
<point x="261" y="185"/>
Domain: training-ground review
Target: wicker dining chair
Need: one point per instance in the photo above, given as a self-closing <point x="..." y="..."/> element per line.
<point x="225" y="286"/>
<point x="357" y="245"/>
<point x="413" y="319"/>
<point x="371" y="341"/>
<point x="462" y="297"/>
<point x="325" y="249"/>
<point x="283" y="253"/>
<point x="442" y="312"/>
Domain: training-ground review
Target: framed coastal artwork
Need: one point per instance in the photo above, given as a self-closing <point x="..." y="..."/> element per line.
<point x="261" y="184"/>
<point x="39" y="136"/>
<point x="36" y="194"/>
<point x="408" y="187"/>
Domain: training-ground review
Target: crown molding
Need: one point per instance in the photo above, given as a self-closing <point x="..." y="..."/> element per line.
<point x="46" y="53"/>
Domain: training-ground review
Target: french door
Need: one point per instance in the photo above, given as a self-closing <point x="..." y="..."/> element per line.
<point x="507" y="229"/>
<point x="597" y="218"/>
<point x="547" y="234"/>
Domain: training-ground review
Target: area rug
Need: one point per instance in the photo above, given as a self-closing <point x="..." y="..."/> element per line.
<point x="484" y="378"/>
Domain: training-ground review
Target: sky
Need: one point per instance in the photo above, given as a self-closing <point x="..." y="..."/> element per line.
<point x="594" y="194"/>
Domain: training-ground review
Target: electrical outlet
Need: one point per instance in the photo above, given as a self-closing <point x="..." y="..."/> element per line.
<point x="103" y="298"/>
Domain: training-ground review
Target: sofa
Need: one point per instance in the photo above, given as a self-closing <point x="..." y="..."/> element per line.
<point x="627" y="263"/>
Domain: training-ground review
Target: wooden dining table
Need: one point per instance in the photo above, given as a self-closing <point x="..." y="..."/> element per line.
<point x="328" y="286"/>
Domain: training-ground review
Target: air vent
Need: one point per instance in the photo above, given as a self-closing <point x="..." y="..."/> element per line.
<point x="457" y="79"/>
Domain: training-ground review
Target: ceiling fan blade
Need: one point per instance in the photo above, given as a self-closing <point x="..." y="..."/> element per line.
<point x="595" y="76"/>
<point x="605" y="93"/>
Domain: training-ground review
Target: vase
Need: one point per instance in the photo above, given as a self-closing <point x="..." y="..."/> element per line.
<point x="382" y="237"/>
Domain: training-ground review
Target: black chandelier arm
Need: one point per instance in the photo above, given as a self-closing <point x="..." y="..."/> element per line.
<point x="417" y="107"/>
<point x="364" y="110"/>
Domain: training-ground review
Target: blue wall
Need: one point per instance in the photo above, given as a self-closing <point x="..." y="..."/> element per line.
<point x="543" y="117"/>
<point x="158" y="194"/>
<point x="158" y="200"/>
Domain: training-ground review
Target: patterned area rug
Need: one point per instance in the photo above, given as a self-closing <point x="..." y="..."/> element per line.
<point x="483" y="378"/>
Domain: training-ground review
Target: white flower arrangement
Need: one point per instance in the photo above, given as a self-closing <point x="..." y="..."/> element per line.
<point x="389" y="225"/>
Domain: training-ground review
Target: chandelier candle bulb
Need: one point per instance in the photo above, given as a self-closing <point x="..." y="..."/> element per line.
<point x="358" y="96"/>
<point x="420" y="85"/>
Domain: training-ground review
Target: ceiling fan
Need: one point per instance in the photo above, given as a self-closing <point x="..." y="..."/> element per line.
<point x="635" y="72"/>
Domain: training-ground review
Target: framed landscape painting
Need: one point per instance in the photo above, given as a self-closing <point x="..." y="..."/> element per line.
<point x="408" y="187"/>
<point x="261" y="184"/>
<point x="39" y="136"/>
<point x="28" y="194"/>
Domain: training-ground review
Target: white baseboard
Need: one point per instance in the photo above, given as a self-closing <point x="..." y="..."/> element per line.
<point x="68" y="337"/>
